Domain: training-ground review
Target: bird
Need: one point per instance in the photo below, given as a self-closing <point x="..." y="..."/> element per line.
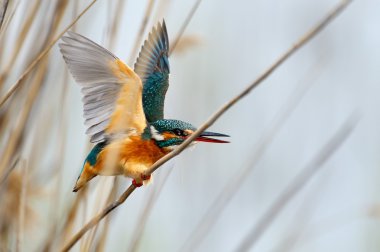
<point x="123" y="108"/>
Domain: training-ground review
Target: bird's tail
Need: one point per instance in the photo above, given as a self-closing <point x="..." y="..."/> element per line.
<point x="86" y="175"/>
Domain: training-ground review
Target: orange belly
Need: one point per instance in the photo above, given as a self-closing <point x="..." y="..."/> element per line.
<point x="131" y="157"/>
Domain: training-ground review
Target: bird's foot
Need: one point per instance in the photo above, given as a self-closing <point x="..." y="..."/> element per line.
<point x="145" y="177"/>
<point x="136" y="184"/>
<point x="141" y="182"/>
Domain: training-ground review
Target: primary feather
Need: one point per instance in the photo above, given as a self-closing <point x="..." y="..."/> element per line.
<point x="152" y="66"/>
<point x="119" y="104"/>
<point x="112" y="92"/>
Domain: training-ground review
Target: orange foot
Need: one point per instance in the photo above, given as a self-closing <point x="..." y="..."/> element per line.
<point x="145" y="177"/>
<point x="136" y="184"/>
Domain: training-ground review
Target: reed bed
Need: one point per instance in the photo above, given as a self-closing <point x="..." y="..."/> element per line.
<point x="38" y="211"/>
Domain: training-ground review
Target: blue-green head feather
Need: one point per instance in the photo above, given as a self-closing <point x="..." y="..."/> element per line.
<point x="172" y="125"/>
<point x="170" y="132"/>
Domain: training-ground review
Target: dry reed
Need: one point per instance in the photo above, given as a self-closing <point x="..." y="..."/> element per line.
<point x="302" y="41"/>
<point x="26" y="135"/>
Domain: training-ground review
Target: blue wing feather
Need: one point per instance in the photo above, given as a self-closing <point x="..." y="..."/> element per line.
<point x="152" y="66"/>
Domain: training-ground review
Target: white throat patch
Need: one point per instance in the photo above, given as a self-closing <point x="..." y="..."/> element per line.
<point x="155" y="134"/>
<point x="173" y="147"/>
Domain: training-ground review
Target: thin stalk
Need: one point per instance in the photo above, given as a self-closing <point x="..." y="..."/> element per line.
<point x="20" y="41"/>
<point x="142" y="220"/>
<point x="301" y="42"/>
<point x="298" y="183"/>
<point x="144" y="23"/>
<point x="184" y="25"/>
<point x="18" y="83"/>
<point x="3" y="11"/>
<point x="215" y="210"/>
<point x="23" y="200"/>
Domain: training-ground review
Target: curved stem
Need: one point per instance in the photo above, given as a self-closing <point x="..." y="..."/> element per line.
<point x="301" y="42"/>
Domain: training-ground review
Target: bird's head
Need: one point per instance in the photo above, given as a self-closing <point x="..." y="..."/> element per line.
<point x="169" y="133"/>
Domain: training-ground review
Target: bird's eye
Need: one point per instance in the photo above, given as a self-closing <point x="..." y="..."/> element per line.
<point x="179" y="132"/>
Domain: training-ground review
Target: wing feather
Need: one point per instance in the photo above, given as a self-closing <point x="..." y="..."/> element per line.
<point x="152" y="66"/>
<point x="112" y="92"/>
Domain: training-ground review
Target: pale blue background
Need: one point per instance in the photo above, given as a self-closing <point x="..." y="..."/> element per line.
<point x="238" y="40"/>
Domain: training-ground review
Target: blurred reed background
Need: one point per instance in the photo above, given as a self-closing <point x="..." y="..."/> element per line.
<point x="192" y="204"/>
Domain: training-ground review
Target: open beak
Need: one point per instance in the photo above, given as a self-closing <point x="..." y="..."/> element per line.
<point x="206" y="137"/>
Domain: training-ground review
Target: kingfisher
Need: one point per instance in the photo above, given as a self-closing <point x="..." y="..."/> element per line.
<point x="123" y="107"/>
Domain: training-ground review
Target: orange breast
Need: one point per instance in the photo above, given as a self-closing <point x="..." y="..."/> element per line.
<point x="141" y="151"/>
<point x="130" y="151"/>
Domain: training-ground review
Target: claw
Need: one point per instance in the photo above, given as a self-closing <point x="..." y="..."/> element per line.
<point x="145" y="177"/>
<point x="136" y="184"/>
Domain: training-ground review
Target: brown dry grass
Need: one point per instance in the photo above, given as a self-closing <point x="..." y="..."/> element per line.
<point x="26" y="134"/>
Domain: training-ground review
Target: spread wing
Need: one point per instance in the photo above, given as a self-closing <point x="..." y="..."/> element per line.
<point x="112" y="92"/>
<point x="152" y="66"/>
